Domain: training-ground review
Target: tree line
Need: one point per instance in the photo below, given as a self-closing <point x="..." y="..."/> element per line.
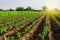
<point x="44" y="8"/>
<point x="20" y="9"/>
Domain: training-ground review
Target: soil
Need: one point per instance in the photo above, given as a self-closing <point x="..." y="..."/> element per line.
<point x="38" y="33"/>
<point x="55" y="30"/>
<point x="29" y="35"/>
<point x="57" y="18"/>
<point x="14" y="30"/>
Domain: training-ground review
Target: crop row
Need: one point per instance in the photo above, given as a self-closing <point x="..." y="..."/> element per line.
<point x="12" y="20"/>
<point x="55" y="19"/>
<point x="20" y="33"/>
<point x="54" y="30"/>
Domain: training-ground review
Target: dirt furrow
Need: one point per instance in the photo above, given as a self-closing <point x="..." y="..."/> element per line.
<point x="38" y="33"/>
<point x="57" y="18"/>
<point x="55" y="29"/>
<point x="14" y="30"/>
<point x="49" y="31"/>
<point x="30" y="33"/>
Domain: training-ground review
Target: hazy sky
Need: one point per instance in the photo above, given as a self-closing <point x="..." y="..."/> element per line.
<point x="35" y="4"/>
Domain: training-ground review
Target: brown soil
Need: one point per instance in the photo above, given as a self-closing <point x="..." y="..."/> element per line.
<point x="37" y="35"/>
<point x="57" y="18"/>
<point x="49" y="30"/>
<point x="55" y="30"/>
<point x="30" y="33"/>
<point x="14" y="30"/>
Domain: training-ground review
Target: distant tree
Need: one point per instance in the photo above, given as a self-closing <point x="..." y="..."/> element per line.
<point x="45" y="8"/>
<point x="1" y="9"/>
<point x="11" y="9"/>
<point x="19" y="9"/>
<point x="55" y="9"/>
<point x="29" y="9"/>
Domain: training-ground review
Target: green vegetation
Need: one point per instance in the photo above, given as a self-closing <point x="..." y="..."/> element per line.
<point x="45" y="31"/>
<point x="10" y="38"/>
<point x="56" y="20"/>
<point x="20" y="33"/>
<point x="13" y="19"/>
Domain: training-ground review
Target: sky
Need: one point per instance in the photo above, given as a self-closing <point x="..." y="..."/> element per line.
<point x="35" y="4"/>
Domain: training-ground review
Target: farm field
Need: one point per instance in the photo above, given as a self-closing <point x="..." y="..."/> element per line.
<point x="29" y="25"/>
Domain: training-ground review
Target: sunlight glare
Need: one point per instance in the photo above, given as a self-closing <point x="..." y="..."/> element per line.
<point x="51" y="6"/>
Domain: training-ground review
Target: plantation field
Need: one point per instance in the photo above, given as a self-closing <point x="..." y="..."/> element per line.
<point x="29" y="25"/>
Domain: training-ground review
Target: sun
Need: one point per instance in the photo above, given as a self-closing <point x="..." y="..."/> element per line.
<point x="51" y="6"/>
